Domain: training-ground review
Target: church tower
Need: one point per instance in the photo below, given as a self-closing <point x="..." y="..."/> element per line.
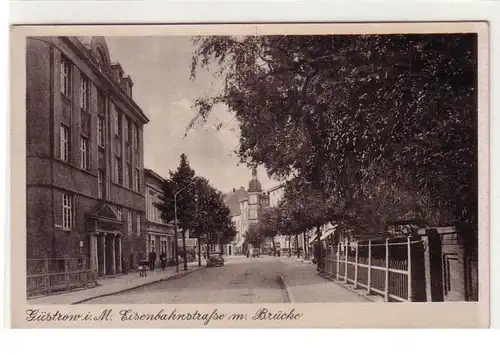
<point x="254" y="198"/>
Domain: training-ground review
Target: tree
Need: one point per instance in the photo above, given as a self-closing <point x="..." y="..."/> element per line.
<point x="213" y="221"/>
<point x="179" y="193"/>
<point x="268" y="224"/>
<point x="354" y="115"/>
<point x="253" y="236"/>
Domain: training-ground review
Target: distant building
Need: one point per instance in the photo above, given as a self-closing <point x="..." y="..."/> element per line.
<point x="245" y="206"/>
<point x="276" y="194"/>
<point x="160" y="235"/>
<point x="84" y="145"/>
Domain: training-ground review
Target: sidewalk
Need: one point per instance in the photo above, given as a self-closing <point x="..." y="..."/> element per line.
<point x="113" y="285"/>
<point x="304" y="285"/>
<point x="294" y="258"/>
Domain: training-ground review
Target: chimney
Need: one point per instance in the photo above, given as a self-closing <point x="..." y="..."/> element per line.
<point x="127" y="85"/>
<point x="117" y="72"/>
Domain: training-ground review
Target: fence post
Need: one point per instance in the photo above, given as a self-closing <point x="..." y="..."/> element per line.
<point x="409" y="271"/>
<point x="356" y="266"/>
<point x="346" y="262"/>
<point x="330" y="263"/>
<point x="369" y="283"/>
<point x="386" y="290"/>
<point x="47" y="272"/>
<point x="338" y="261"/>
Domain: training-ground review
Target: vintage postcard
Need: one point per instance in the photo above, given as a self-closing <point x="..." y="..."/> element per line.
<point x="250" y="176"/>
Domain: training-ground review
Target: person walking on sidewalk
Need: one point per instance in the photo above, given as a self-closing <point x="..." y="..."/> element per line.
<point x="163" y="260"/>
<point x="318" y="255"/>
<point x="143" y="267"/>
<point x="152" y="260"/>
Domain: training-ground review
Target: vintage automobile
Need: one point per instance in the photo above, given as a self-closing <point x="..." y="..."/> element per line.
<point x="215" y="260"/>
<point x="255" y="253"/>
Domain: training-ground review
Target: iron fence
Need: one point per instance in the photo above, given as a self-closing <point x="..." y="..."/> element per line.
<point x="380" y="267"/>
<point x="45" y="276"/>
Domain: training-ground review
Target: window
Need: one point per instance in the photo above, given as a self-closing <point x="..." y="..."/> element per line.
<point x="127" y="176"/>
<point x="252" y="214"/>
<point x="100" y="131"/>
<point x="158" y="212"/>
<point x="130" y="176"/>
<point x="137" y="137"/>
<point x="138" y="224"/>
<point x="126" y="126"/>
<point x="129" y="131"/>
<point x="101" y="104"/>
<point x="118" y="171"/>
<point x="152" y="244"/>
<point x="65" y="77"/>
<point x="136" y="180"/>
<point x="67" y="211"/>
<point x="84" y="93"/>
<point x="84" y="153"/>
<point x="137" y="159"/>
<point x="129" y="223"/>
<point x="64" y="143"/>
<point x="118" y="122"/>
<point x="119" y="212"/>
<point x="101" y="184"/>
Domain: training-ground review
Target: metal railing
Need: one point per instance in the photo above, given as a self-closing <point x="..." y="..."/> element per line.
<point x="366" y="266"/>
<point x="45" y="276"/>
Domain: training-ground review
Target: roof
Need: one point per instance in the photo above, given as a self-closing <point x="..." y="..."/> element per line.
<point x="232" y="199"/>
<point x="254" y="186"/>
<point x="277" y="187"/>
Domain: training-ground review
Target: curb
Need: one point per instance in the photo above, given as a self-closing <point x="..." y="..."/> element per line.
<point x="173" y="277"/>
<point x="286" y="290"/>
<point x="352" y="289"/>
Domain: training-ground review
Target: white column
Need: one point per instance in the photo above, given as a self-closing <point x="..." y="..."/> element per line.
<point x="103" y="243"/>
<point x="93" y="253"/>
<point x="338" y="261"/>
<point x="386" y="291"/>
<point x="368" y="288"/>
<point x="409" y="271"/>
<point x="113" y="254"/>
<point x="120" y="266"/>
<point x="356" y="266"/>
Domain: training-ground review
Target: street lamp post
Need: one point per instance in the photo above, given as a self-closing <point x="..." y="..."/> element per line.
<point x="175" y="225"/>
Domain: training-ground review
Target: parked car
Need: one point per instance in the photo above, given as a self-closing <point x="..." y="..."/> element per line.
<point x="215" y="260"/>
<point x="255" y="253"/>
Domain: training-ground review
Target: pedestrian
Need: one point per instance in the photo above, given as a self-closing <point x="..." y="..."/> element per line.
<point x="152" y="260"/>
<point x="317" y="255"/>
<point x="143" y="271"/>
<point x="163" y="260"/>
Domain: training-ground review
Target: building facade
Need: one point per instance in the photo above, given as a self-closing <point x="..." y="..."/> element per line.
<point x="160" y="235"/>
<point x="85" y="177"/>
<point x="245" y="206"/>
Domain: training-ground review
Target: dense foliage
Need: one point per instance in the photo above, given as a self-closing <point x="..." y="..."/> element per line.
<point x="384" y="125"/>
<point x="200" y="207"/>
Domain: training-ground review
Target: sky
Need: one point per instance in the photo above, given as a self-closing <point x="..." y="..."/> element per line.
<point x="160" y="70"/>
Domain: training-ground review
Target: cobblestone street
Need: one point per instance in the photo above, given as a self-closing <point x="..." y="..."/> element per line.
<point x="240" y="280"/>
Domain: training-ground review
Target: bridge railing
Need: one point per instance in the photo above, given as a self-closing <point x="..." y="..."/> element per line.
<point x="371" y="266"/>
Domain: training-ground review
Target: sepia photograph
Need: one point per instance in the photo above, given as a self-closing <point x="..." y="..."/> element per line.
<point x="252" y="168"/>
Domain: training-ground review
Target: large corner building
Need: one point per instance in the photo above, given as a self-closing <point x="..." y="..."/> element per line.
<point x="245" y="207"/>
<point x="85" y="176"/>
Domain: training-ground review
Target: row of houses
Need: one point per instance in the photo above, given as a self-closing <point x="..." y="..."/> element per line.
<point x="89" y="197"/>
